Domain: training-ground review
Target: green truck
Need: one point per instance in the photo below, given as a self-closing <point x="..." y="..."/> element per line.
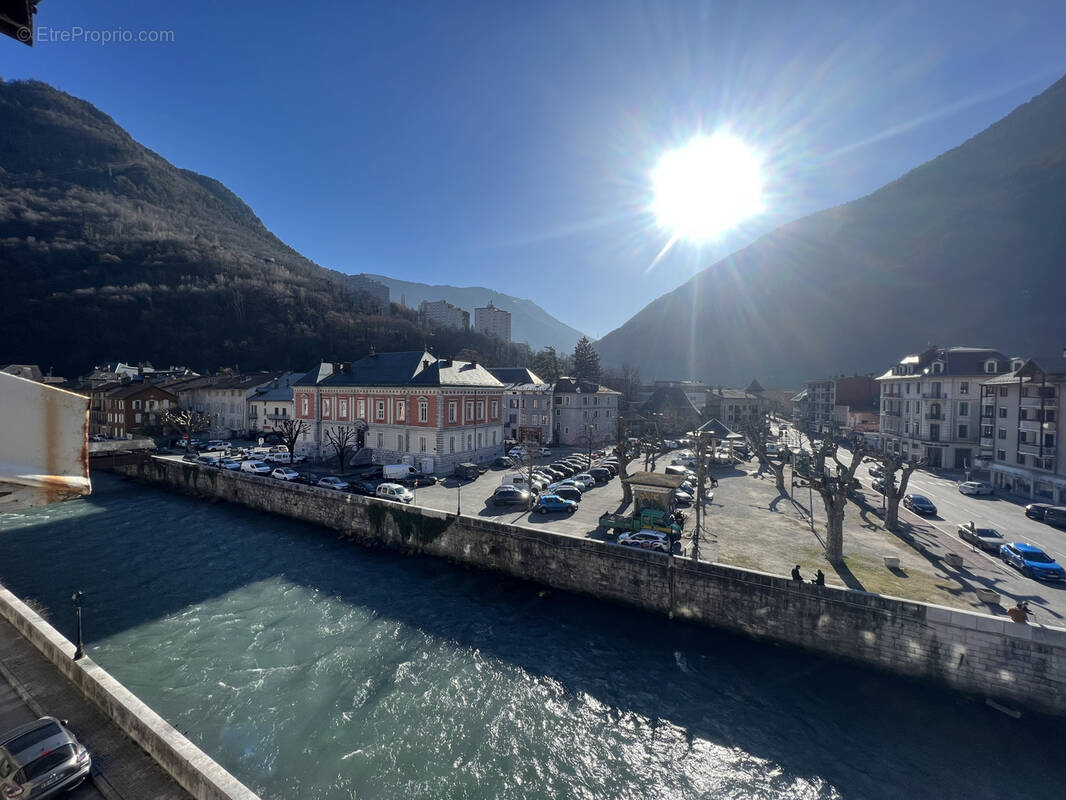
<point x="650" y="519"/>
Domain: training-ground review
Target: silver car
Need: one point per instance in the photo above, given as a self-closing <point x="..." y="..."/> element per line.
<point x="41" y="759"/>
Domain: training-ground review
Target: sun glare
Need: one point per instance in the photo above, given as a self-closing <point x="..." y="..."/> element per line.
<point x="707" y="187"/>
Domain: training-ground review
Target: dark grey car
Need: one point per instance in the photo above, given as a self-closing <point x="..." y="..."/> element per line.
<point x="41" y="759"/>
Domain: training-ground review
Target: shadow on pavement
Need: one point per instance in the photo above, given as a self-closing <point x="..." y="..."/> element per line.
<point x="846" y="575"/>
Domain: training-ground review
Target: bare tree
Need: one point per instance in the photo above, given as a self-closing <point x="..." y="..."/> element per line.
<point x="892" y="464"/>
<point x="759" y="435"/>
<point x="186" y="422"/>
<point x="625" y="452"/>
<point x="341" y="440"/>
<point x="290" y="431"/>
<point x="833" y="483"/>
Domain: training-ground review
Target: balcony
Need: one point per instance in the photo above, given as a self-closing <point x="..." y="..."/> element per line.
<point x="1036" y="426"/>
<point x="1031" y="449"/>
<point x="934" y="415"/>
<point x="987" y="442"/>
<point x="934" y="396"/>
<point x="1038" y="402"/>
<point x="988" y="413"/>
<point x="892" y="412"/>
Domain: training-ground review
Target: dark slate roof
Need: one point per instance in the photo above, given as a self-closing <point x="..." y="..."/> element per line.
<point x="447" y="372"/>
<point x="133" y="388"/>
<point x="566" y="385"/>
<point x="656" y="479"/>
<point x="716" y="428"/>
<point x="315" y="376"/>
<point x="515" y="375"/>
<point x="733" y="394"/>
<point x="957" y="361"/>
<point x="755" y="387"/>
<point x="1033" y="371"/>
<point x="669" y="398"/>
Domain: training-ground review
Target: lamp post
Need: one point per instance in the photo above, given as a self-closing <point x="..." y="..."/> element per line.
<point x="459" y="497"/>
<point x="79" y="651"/>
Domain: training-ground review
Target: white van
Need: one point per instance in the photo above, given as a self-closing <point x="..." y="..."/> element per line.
<point x="393" y="491"/>
<point x="257" y="467"/>
<point x="397" y="471"/>
<point x="518" y="479"/>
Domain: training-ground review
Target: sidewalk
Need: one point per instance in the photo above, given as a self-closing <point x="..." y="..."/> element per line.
<point x="121" y="769"/>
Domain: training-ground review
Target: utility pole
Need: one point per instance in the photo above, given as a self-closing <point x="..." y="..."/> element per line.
<point x="79" y="651"/>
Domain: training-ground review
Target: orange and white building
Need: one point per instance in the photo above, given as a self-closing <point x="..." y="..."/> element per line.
<point x="432" y="412"/>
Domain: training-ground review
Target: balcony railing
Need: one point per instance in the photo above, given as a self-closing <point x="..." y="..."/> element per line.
<point x="934" y="415"/>
<point x="1031" y="449"/>
<point x="1037" y="402"/>
<point x="1036" y="425"/>
<point x="988" y="442"/>
<point x="988" y="413"/>
<point x="934" y="396"/>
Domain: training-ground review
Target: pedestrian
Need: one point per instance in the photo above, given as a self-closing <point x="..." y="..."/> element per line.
<point x="714" y="482"/>
<point x="1019" y="612"/>
<point x="818" y="579"/>
<point x="796" y="574"/>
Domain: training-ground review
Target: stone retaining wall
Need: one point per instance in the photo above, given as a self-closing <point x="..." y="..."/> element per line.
<point x="194" y="771"/>
<point x="991" y="656"/>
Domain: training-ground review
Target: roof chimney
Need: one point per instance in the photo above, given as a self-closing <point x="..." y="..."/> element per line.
<point x="473" y="362"/>
<point x="425" y="363"/>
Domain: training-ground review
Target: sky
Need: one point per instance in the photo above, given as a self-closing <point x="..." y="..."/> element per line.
<point x="512" y="144"/>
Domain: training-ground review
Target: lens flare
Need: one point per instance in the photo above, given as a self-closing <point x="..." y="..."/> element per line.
<point x="707" y="187"/>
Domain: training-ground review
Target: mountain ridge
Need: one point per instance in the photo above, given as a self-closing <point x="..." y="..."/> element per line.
<point x="820" y="295"/>
<point x="529" y="321"/>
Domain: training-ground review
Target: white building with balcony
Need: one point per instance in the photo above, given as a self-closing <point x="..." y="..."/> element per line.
<point x="1020" y="443"/>
<point x="930" y="404"/>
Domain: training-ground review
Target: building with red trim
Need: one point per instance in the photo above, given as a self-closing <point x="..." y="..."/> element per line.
<point x="433" y="412"/>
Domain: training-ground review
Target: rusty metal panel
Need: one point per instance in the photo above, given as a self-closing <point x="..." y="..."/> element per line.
<point x="44" y="444"/>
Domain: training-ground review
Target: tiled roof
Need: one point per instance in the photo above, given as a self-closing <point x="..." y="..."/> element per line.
<point x="566" y="385"/>
<point x="669" y="398"/>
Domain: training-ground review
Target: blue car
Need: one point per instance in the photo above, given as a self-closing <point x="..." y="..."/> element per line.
<point x="919" y="504"/>
<point x="552" y="502"/>
<point x="1032" y="561"/>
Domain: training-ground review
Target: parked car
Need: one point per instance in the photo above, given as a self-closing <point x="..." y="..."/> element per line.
<point x="503" y="462"/>
<point x="510" y="496"/>
<point x="41" y="759"/>
<point x="417" y="479"/>
<point x="256" y="467"/>
<point x="466" y="471"/>
<point x="975" y="487"/>
<point x="877" y="471"/>
<point x="544" y="451"/>
<point x="393" y="491"/>
<point x="332" y="482"/>
<point x="567" y="483"/>
<point x="285" y="458"/>
<point x="1056" y="516"/>
<point x="367" y="488"/>
<point x="1032" y="561"/>
<point x="878" y="485"/>
<point x="601" y="474"/>
<point x="986" y="538"/>
<point x="285" y="474"/>
<point x="919" y="504"/>
<point x="567" y="492"/>
<point x="646" y="540"/>
<point x="216" y="444"/>
<point x="548" y="503"/>
<point x="585" y="479"/>
<point x="1036" y="510"/>
<point x="208" y="461"/>
<point x="229" y="463"/>
<point x="682" y="497"/>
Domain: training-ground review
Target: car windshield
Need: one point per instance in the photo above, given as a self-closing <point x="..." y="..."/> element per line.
<point x="45" y="764"/>
<point x="989" y="532"/>
<point x="921" y="499"/>
<point x="1037" y="557"/>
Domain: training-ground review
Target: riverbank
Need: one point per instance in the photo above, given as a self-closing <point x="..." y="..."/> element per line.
<point x="1017" y="664"/>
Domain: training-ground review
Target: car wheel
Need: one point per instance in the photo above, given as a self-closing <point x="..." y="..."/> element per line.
<point x="1027" y="572"/>
<point x="571" y="510"/>
<point x="542" y="511"/>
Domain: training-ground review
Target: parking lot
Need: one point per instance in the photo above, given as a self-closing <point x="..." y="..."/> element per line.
<point x="748" y="524"/>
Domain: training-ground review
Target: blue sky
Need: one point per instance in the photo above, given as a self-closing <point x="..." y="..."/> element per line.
<point x="509" y="144"/>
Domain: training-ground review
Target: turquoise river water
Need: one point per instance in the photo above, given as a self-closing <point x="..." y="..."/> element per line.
<point x="311" y="668"/>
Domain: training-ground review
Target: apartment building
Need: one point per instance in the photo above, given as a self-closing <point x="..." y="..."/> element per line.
<point x="831" y="402"/>
<point x="493" y="321"/>
<point x="584" y="413"/>
<point x="121" y="410"/>
<point x="1020" y="413"/>
<point x="930" y="404"/>
<point x="732" y="406"/>
<point x="223" y="398"/>
<point x="443" y="314"/>
<point x="272" y="404"/>
<point x="527" y="405"/>
<point x="432" y="412"/>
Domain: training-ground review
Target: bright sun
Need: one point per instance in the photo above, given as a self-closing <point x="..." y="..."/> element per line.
<point x="707" y="187"/>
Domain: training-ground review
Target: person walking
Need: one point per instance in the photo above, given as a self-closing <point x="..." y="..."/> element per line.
<point x="796" y="574"/>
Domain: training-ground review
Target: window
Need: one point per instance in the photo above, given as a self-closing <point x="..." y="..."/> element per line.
<point x="401" y="411"/>
<point x="451" y="444"/>
<point x="964" y="387"/>
<point x="136" y="404"/>
<point x="1001" y="433"/>
<point x="990" y="366"/>
<point x="325" y="407"/>
<point x="1003" y="391"/>
<point x="136" y="417"/>
<point x="423" y="412"/>
<point x="494" y="437"/>
<point x="481" y="409"/>
<point x="381" y="440"/>
<point x="469" y="411"/>
<point x="360" y="406"/>
<point x="495" y="409"/>
<point x="938" y="368"/>
<point x="342" y="409"/>
<point x="907" y="406"/>
<point x="908" y="387"/>
<point x="452" y="411"/>
<point x="964" y="409"/>
<point x="514" y="402"/>
<point x="1001" y="455"/>
<point x="379" y="410"/>
<point x="421" y="444"/>
<point x="964" y="431"/>
<point x="1002" y="413"/>
<point x="1021" y="458"/>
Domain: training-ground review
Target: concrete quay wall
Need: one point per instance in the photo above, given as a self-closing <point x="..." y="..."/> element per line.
<point x="193" y="769"/>
<point x="975" y="653"/>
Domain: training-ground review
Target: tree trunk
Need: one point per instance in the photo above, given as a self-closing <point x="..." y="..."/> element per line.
<point x="834" y="535"/>
<point x="779" y="476"/>
<point x="891" y="512"/>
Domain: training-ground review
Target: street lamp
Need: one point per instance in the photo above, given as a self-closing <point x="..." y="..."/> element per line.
<point x="79" y="651"/>
<point x="459" y="497"/>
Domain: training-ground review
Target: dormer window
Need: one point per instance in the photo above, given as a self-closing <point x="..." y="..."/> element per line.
<point x="990" y="365"/>
<point x="1016" y="364"/>
<point x="938" y="368"/>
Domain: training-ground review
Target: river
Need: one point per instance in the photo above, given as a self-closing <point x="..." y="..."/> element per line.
<point x="314" y="669"/>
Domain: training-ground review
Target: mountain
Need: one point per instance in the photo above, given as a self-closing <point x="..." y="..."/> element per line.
<point x="967" y="249"/>
<point x="109" y="251"/>
<point x="529" y="322"/>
